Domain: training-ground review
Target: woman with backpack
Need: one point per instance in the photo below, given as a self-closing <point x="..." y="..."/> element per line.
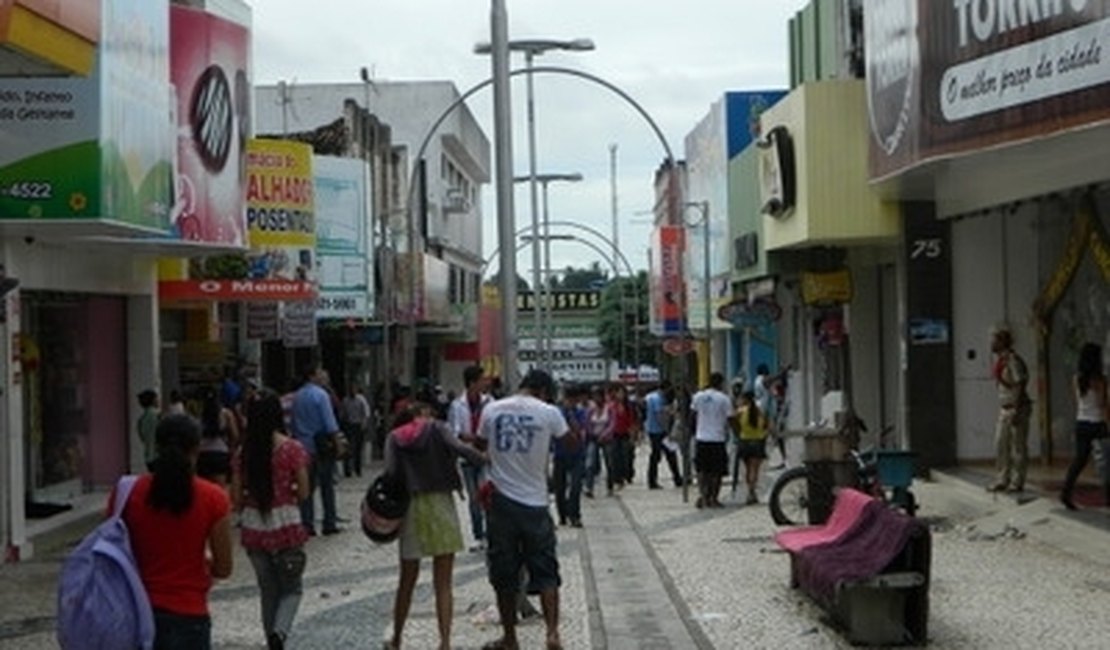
<point x="424" y="453"/>
<point x="180" y="532"/>
<point x="270" y="479"/>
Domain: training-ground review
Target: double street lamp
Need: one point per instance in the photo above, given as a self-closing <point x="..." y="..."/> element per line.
<point x="540" y="314"/>
<point x="532" y="48"/>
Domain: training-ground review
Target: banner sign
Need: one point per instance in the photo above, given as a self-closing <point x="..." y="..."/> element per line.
<point x="264" y="321"/>
<point x="236" y="290"/>
<point x="834" y="287"/>
<point x="280" y="210"/>
<point x="342" y="237"/>
<point x="209" y="68"/>
<point x="667" y="288"/>
<point x="948" y="77"/>
<point x="585" y="300"/>
<point x="97" y="147"/>
<point x="298" y="324"/>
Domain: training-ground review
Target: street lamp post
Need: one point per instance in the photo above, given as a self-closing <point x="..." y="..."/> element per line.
<point x="531" y="48"/>
<point x="544" y="335"/>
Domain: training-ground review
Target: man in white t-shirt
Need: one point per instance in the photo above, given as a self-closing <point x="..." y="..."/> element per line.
<point x="517" y="432"/>
<point x="712" y="409"/>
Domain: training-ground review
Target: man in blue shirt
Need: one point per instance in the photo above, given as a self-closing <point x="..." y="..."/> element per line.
<point x="657" y="423"/>
<point x="314" y="426"/>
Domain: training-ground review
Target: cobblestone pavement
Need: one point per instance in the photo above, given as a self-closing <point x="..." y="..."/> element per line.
<point x="649" y="571"/>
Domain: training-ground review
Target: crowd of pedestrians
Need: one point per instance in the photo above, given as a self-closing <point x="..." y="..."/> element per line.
<point x="256" y="460"/>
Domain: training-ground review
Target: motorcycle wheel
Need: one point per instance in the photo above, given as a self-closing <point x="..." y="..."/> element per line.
<point x="789" y="500"/>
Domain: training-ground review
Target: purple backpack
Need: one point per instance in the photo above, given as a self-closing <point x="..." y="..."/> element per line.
<point x="101" y="600"/>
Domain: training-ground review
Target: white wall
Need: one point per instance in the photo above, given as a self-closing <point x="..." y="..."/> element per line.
<point x="994" y="279"/>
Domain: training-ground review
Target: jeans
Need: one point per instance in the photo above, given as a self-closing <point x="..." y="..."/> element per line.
<point x="321" y="472"/>
<point x="657" y="450"/>
<point x="616" y="461"/>
<point x="472" y="476"/>
<point x="356" y="436"/>
<point x="593" y="464"/>
<point x="1087" y="435"/>
<point x="180" y="632"/>
<point x="279" y="581"/>
<point x="568" y="487"/>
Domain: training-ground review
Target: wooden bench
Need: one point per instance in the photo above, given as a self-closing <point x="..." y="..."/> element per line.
<point x="868" y="566"/>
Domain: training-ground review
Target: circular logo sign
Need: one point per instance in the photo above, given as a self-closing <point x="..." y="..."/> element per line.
<point x="677" y="347"/>
<point x="893" y="62"/>
<point x="211" y="116"/>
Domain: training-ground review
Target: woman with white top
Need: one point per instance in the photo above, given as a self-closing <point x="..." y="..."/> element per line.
<point x="1091" y="416"/>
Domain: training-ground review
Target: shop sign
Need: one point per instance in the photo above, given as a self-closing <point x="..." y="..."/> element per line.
<point x="756" y="313"/>
<point x="99" y="147"/>
<point x="827" y="288"/>
<point x="298" y="324"/>
<point x="948" y="77"/>
<point x="236" y="290"/>
<point x="676" y="347"/>
<point x="263" y="321"/>
<point x="667" y="286"/>
<point x="560" y="300"/>
<point x="745" y="251"/>
<point x="210" y="72"/>
<point x="342" y="241"/>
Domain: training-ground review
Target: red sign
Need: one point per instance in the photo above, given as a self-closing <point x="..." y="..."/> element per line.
<point x="668" y="290"/>
<point x="678" y="347"/>
<point x="236" y="290"/>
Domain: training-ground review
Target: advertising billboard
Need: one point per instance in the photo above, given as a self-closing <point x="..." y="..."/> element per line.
<point x="281" y="221"/>
<point x="342" y="238"/>
<point x="668" y="290"/>
<point x="950" y="77"/>
<point x="97" y="147"/>
<point x="209" y="70"/>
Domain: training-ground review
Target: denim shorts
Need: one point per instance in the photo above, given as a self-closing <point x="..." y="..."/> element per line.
<point x="521" y="536"/>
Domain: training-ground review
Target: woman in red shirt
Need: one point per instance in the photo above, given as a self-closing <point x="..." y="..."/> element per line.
<point x="269" y="481"/>
<point x="180" y="535"/>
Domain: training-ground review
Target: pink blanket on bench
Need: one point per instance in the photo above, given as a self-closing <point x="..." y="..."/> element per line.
<point x="876" y="539"/>
<point x="847" y="510"/>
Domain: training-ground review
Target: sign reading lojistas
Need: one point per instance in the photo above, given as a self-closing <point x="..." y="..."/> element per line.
<point x="948" y="77"/>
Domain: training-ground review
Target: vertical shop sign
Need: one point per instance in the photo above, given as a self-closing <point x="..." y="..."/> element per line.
<point x="298" y="324"/>
<point x="263" y="321"/>
<point x="342" y="246"/>
<point x="668" y="244"/>
<point x="210" y="74"/>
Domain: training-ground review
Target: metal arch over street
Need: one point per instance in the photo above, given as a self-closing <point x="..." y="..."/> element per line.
<point x="574" y="224"/>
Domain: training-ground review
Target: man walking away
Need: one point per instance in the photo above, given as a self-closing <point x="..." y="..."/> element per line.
<point x="1015" y="407"/>
<point x="712" y="409"/>
<point x="656" y="425"/>
<point x="314" y="426"/>
<point x="518" y="431"/>
<point x="570" y="459"/>
<point x="355" y="414"/>
<point x="463" y="417"/>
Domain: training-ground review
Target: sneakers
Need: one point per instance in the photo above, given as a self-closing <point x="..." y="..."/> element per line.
<point x="997" y="487"/>
<point x="1068" y="503"/>
<point x="576" y="523"/>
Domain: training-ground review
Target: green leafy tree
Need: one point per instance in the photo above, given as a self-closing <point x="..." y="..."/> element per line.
<point x="579" y="279"/>
<point x="623" y="314"/>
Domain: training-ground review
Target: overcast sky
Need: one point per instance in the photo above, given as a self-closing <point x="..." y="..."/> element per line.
<point x="674" y="58"/>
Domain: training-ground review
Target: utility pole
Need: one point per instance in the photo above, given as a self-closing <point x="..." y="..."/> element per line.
<point x="621" y="359"/>
<point x="506" y="227"/>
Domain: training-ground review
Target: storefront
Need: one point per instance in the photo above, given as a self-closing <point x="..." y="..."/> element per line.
<point x="832" y="244"/>
<point x="995" y="139"/>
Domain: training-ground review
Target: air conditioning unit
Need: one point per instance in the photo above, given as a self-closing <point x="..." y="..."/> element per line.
<point x="455" y="201"/>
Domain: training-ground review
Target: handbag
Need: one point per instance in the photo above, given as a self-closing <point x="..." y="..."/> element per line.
<point x="383" y="508"/>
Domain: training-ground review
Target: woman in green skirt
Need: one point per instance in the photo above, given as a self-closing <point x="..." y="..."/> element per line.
<point x="424" y="452"/>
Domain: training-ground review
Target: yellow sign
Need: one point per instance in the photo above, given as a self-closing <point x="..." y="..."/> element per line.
<point x="827" y="288"/>
<point x="280" y="206"/>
